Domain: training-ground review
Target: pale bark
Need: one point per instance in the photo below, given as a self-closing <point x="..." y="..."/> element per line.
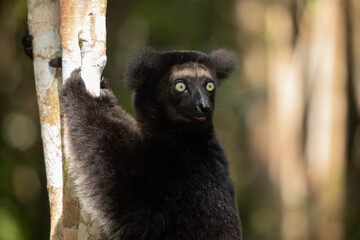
<point x="83" y="35"/>
<point x="93" y="44"/>
<point x="44" y="22"/>
<point x="83" y="32"/>
<point x="83" y="46"/>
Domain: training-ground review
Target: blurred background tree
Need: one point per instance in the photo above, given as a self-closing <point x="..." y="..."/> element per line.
<point x="288" y="118"/>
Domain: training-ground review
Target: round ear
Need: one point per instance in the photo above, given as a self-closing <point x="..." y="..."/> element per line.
<point x="223" y="62"/>
<point x="141" y="67"/>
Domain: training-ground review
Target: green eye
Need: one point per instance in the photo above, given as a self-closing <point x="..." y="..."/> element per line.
<point x="210" y="86"/>
<point x="180" y="87"/>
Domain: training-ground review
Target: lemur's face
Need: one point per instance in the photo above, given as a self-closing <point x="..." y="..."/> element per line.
<point x="191" y="93"/>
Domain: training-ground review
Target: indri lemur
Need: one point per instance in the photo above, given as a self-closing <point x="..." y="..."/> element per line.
<point x="163" y="176"/>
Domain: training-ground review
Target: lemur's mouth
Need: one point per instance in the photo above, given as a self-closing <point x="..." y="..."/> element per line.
<point x="201" y="119"/>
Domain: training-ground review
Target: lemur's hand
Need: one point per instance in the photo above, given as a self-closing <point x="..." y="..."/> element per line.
<point x="56" y="62"/>
<point x="104" y="83"/>
<point x="28" y="49"/>
<point x="27" y="44"/>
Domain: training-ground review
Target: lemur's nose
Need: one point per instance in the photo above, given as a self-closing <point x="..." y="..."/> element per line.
<point x="204" y="108"/>
<point x="203" y="105"/>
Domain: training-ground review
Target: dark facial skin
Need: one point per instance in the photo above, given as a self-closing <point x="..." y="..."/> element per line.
<point x="195" y="102"/>
<point x="191" y="95"/>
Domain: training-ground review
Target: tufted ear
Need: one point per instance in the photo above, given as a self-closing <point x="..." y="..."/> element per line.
<point x="141" y="67"/>
<point x="223" y="62"/>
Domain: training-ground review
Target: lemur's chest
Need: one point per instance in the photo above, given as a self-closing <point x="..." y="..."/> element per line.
<point x="178" y="171"/>
<point x="184" y="157"/>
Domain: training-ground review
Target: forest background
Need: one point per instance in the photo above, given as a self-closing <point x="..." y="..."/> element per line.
<point x="288" y="117"/>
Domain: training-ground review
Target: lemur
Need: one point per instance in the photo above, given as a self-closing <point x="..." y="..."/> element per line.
<point x="162" y="175"/>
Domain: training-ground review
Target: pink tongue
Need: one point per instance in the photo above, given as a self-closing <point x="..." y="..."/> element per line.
<point x="200" y="118"/>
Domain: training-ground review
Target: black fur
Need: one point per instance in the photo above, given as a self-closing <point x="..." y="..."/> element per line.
<point x="56" y="62"/>
<point x="151" y="65"/>
<point x="28" y="50"/>
<point x="151" y="178"/>
<point x="27" y="44"/>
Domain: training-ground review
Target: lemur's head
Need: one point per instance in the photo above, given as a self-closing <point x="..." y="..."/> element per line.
<point x="178" y="87"/>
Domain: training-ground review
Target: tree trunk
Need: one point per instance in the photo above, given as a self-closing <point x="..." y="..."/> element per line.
<point x="352" y="205"/>
<point x="44" y="23"/>
<point x="83" y="43"/>
<point x="286" y="114"/>
<point x="326" y="138"/>
<point x="313" y="178"/>
<point x="83" y="33"/>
